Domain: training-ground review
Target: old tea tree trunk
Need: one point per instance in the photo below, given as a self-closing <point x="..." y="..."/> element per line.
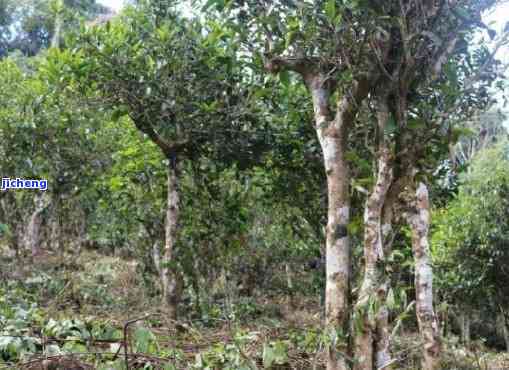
<point x="169" y="273"/>
<point x="419" y="221"/>
<point x="332" y="130"/>
<point x="33" y="230"/>
<point x="332" y="135"/>
<point x="167" y="264"/>
<point x="370" y="330"/>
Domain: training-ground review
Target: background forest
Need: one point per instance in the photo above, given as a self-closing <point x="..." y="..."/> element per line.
<point x="254" y="184"/>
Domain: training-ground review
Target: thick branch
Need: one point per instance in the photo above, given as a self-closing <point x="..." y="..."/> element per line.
<point x="169" y="148"/>
<point x="349" y="105"/>
<point x="442" y="57"/>
<point x="301" y="65"/>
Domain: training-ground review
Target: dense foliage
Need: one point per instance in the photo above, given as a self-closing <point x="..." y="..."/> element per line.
<point x="254" y="184"/>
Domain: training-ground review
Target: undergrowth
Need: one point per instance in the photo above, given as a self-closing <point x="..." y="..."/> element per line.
<point x="77" y="314"/>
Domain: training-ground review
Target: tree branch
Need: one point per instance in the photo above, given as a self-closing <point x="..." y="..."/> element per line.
<point x="301" y="65"/>
<point x="169" y="148"/>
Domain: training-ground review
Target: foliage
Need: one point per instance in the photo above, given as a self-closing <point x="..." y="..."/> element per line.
<point x="179" y="81"/>
<point x="471" y="232"/>
<point x="252" y="183"/>
<point x="29" y="25"/>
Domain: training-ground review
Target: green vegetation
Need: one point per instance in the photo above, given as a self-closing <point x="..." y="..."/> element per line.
<point x="260" y="185"/>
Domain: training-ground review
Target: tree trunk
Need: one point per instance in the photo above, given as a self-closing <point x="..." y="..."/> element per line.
<point x="195" y="283"/>
<point x="383" y="334"/>
<point x="11" y="215"/>
<point x="289" y="284"/>
<point x="501" y="328"/>
<point x="33" y="231"/>
<point x="464" y="321"/>
<point x="80" y="229"/>
<point x="444" y="323"/>
<point x="419" y="222"/>
<point x="332" y="137"/>
<point x="505" y="330"/>
<point x="56" y="227"/>
<point x="371" y="353"/>
<point x="171" y="282"/>
<point x="289" y="278"/>
<point x="156" y="258"/>
<point x="9" y="212"/>
<point x="55" y="39"/>
<point x="332" y="134"/>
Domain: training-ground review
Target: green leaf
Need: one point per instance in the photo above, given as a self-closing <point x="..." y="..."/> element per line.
<point x="352" y="4"/>
<point x="144" y="339"/>
<point x="268" y="356"/>
<point x="275" y="353"/>
<point x="403" y="297"/>
<point x="330" y="9"/>
<point x="284" y="78"/>
<point x="5" y="341"/>
<point x="74" y="347"/>
<point x="291" y="36"/>
<point x="280" y="352"/>
<point x="117" y="114"/>
<point x="218" y="4"/>
<point x="415" y="124"/>
<point x="4" y="229"/>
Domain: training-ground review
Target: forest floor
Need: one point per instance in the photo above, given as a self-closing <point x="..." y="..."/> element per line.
<point x="76" y="313"/>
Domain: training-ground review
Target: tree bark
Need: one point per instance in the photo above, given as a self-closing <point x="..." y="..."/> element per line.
<point x="195" y="283"/>
<point x="33" y="231"/>
<point x="55" y="39"/>
<point x="81" y="230"/>
<point x="56" y="226"/>
<point x="289" y="277"/>
<point x="464" y="321"/>
<point x="156" y="258"/>
<point x="383" y="334"/>
<point x="419" y="222"/>
<point x="8" y="212"/>
<point x="504" y="329"/>
<point x="332" y="134"/>
<point x="371" y="336"/>
<point x="332" y="138"/>
<point x="171" y="280"/>
<point x="370" y="353"/>
<point x="289" y="285"/>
